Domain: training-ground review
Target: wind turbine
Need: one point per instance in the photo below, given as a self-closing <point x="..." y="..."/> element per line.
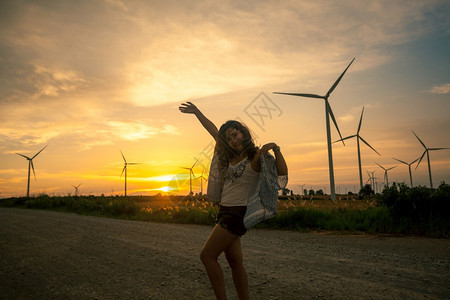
<point x="358" y="137"/>
<point x="328" y="113"/>
<point x="369" y="181"/>
<point x="191" y="173"/>
<point x="409" y="167"/>
<point x="201" y="182"/>
<point x="386" y="173"/>
<point x="125" y="165"/>
<point x="372" y="180"/>
<point x="31" y="166"/>
<point x="428" y="157"/>
<point x="302" y="191"/>
<point x="76" y="189"/>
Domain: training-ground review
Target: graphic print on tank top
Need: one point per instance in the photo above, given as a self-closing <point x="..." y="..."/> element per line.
<point x="236" y="171"/>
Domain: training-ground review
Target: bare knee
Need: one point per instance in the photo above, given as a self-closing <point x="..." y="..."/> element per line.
<point x="206" y="257"/>
<point x="233" y="261"/>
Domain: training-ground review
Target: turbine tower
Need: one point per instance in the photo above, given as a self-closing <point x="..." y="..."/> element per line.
<point x="328" y="113"/>
<point x="76" y="189"/>
<point x="409" y="168"/>
<point x="30" y="166"/>
<point x="125" y="165"/>
<point x="191" y="173"/>
<point x="358" y="137"/>
<point x="386" y="173"/>
<point x="427" y="150"/>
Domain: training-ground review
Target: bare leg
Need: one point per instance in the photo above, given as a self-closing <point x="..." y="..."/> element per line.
<point x="236" y="262"/>
<point x="219" y="240"/>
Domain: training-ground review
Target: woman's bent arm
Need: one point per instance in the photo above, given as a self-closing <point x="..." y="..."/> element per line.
<point x="280" y="161"/>
<point x="282" y="168"/>
<point x="190" y="108"/>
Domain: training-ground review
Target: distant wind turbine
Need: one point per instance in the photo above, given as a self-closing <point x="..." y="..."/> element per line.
<point x="201" y="182"/>
<point x="328" y="113"/>
<point x="427" y="150"/>
<point x="125" y="165"/>
<point x="191" y="173"/>
<point x="386" y="173"/>
<point x="372" y="180"/>
<point x="358" y="137"/>
<point x="409" y="168"/>
<point x="302" y="191"/>
<point x="369" y="181"/>
<point x="76" y="189"/>
<point x="30" y="166"/>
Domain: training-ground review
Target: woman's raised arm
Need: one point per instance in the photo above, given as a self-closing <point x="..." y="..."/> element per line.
<point x="190" y="108"/>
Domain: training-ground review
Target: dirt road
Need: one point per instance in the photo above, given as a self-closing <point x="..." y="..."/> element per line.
<point x="50" y="255"/>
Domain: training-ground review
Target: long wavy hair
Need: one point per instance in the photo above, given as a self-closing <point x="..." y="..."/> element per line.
<point x="225" y="152"/>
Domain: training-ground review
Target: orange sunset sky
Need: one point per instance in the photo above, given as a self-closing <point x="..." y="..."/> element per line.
<point x="93" y="78"/>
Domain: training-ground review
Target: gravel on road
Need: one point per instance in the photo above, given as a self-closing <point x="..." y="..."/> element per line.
<point x="53" y="255"/>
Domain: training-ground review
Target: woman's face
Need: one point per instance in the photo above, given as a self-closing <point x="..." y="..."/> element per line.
<point x="235" y="139"/>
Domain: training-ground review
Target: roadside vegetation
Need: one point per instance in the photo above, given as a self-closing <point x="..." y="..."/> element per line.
<point x="399" y="209"/>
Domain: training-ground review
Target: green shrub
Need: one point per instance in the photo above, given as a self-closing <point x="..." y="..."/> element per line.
<point x="418" y="210"/>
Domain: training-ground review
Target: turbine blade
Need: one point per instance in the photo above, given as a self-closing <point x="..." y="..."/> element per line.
<point x="338" y="80"/>
<point x="391" y="168"/>
<point x="369" y="145"/>
<point x="419" y="140"/>
<point x="24" y="156"/>
<point x="381" y="166"/>
<point x="123" y="156"/>
<point x="301" y="95"/>
<point x="32" y="167"/>
<point x="360" y="121"/>
<point x="346" y="138"/>
<point x="194" y="164"/>
<point x="334" y="120"/>
<point x="415" y="160"/>
<point x="438" y="148"/>
<point x="134" y="163"/>
<point x="421" y="158"/>
<point x="123" y="170"/>
<point x="400" y="161"/>
<point x="39" y="152"/>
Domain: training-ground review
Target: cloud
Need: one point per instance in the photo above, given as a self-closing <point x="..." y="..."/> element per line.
<point x="75" y="126"/>
<point x="136" y="130"/>
<point x="440" y="89"/>
<point x="151" y="56"/>
<point x="117" y="3"/>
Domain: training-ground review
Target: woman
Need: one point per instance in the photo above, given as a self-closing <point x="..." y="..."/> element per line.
<point x="239" y="166"/>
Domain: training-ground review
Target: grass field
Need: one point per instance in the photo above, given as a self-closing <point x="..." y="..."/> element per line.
<point x="303" y="213"/>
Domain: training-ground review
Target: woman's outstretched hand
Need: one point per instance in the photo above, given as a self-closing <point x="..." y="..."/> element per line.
<point x="188" y="108"/>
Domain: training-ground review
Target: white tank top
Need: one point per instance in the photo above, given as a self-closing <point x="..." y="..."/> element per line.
<point x="240" y="183"/>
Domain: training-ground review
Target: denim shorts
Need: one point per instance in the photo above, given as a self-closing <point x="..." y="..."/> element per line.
<point x="231" y="218"/>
